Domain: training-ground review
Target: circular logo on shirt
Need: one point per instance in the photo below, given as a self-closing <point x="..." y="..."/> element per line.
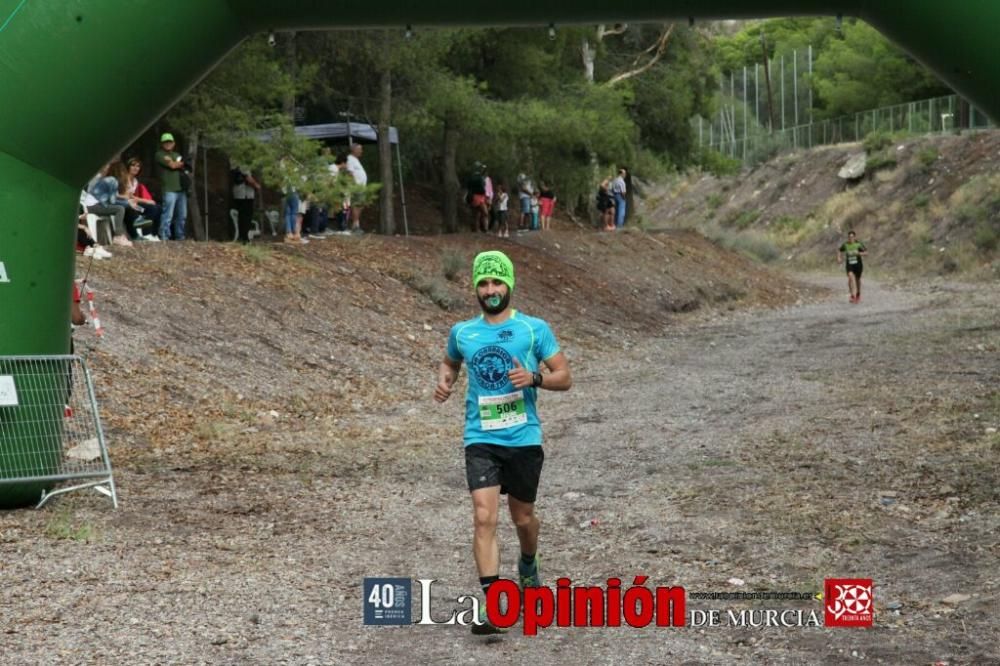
<point x="490" y="365"/>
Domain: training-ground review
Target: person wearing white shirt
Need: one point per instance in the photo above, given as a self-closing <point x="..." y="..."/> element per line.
<point x="355" y="168"/>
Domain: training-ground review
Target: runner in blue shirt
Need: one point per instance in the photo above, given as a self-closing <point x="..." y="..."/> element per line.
<point x="505" y="351"/>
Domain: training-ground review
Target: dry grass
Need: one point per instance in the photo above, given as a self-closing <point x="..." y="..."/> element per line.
<point x="840" y="210"/>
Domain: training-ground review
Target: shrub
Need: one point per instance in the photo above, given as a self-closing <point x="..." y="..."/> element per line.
<point x="876" y="141"/>
<point x="452" y="264"/>
<point x="718" y="164"/>
<point x="713" y="201"/>
<point x="928" y="156"/>
<point x="986" y="237"/>
<point x="256" y="253"/>
<point x="879" y="161"/>
<point x="921" y="200"/>
<point x="788" y="224"/>
<point x="742" y="220"/>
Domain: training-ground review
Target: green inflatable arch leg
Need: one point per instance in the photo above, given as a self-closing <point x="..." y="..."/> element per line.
<point x="80" y="79"/>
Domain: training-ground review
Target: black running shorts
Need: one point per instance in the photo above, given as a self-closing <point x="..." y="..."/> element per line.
<point x="855" y="268"/>
<point x="516" y="469"/>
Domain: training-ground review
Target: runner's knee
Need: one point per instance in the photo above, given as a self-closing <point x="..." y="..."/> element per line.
<point x="484" y="517"/>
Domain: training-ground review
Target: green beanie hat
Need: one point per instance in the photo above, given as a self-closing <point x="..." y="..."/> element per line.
<point x="493" y="264"/>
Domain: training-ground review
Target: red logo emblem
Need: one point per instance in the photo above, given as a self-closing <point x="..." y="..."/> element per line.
<point x="848" y="602"/>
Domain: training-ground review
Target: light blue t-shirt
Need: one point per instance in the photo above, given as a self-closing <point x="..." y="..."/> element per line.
<point x="496" y="412"/>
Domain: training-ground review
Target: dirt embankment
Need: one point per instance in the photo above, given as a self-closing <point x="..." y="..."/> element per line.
<point x="204" y="339"/>
<point x="926" y="206"/>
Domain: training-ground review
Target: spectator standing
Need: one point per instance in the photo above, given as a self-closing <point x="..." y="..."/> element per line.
<point x="476" y="186"/>
<point x="502" y="199"/>
<point x="618" y="190"/>
<point x="245" y="188"/>
<point x="339" y="167"/>
<point x="490" y="194"/>
<point x="525" y="188"/>
<point x="547" y="203"/>
<point x="357" y="170"/>
<point x="535" y="209"/>
<point x="169" y="165"/>
<point x="606" y="205"/>
<point x="294" y="206"/>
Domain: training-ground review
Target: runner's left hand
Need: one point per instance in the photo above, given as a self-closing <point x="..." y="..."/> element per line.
<point x="519" y="377"/>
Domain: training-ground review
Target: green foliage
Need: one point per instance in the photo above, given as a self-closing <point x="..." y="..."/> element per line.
<point x="64" y="525"/>
<point x="788" y="224"/>
<point x="713" y="200"/>
<point x="987" y="237"/>
<point x="877" y="140"/>
<point x="969" y="214"/>
<point x="454" y="265"/>
<point x="921" y="200"/>
<point x="664" y="99"/>
<point x="718" y="164"/>
<point x="853" y="70"/>
<point x="879" y="161"/>
<point x="742" y="220"/>
<point x="863" y="70"/>
<point x="257" y="254"/>
<point x="927" y="156"/>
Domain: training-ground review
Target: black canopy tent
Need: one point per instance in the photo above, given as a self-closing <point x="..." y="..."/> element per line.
<point x="361" y="133"/>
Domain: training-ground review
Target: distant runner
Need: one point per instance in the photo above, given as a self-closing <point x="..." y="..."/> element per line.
<point x="853" y="250"/>
<point x="505" y="351"/>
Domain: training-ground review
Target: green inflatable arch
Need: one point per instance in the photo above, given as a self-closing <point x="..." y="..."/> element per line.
<point x="80" y="79"/>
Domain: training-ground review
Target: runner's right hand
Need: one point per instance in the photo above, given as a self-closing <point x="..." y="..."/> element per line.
<point x="442" y="391"/>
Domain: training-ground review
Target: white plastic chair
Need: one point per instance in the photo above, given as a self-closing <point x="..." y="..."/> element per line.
<point x="99" y="228"/>
<point x="272" y="219"/>
<point x="254" y="231"/>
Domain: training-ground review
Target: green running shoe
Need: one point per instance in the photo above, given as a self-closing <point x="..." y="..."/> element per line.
<point x="485" y="627"/>
<point x="529" y="574"/>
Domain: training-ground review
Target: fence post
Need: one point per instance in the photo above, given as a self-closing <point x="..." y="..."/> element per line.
<point x="795" y="83"/>
<point x="782" y="93"/>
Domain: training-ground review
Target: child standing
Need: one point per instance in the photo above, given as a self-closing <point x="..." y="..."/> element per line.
<point x="503" y="231"/>
<point x="534" y="210"/>
<point x="547" y="203"/>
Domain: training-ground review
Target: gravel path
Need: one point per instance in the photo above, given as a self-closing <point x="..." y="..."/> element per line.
<point x="779" y="447"/>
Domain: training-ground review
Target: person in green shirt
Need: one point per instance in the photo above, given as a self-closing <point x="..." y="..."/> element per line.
<point x="850" y="253"/>
<point x="169" y="165"/>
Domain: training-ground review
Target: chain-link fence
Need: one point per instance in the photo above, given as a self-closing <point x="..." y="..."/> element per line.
<point x="755" y="144"/>
<point x="50" y="430"/>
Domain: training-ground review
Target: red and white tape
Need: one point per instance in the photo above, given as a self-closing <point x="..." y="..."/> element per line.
<point x="98" y="329"/>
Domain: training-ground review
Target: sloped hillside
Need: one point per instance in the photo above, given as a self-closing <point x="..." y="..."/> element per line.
<point x="205" y="338"/>
<point x="926" y="206"/>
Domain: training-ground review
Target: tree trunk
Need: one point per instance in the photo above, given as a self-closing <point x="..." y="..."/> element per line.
<point x="291" y="64"/>
<point x="588" y="53"/>
<point x="387" y="216"/>
<point x="194" y="208"/>
<point x="449" y="177"/>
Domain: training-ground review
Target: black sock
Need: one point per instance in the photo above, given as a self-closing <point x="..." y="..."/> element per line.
<point x="527" y="560"/>
<point x="486" y="581"/>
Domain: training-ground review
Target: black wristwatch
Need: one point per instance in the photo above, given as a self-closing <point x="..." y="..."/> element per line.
<point x="536" y="379"/>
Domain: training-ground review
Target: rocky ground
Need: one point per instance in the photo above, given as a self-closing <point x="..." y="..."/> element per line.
<point x="274" y="442"/>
